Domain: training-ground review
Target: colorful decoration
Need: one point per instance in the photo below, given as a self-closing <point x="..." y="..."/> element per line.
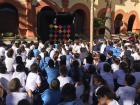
<point x="59" y="32"/>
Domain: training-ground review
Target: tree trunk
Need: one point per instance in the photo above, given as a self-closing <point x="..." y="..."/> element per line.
<point x="108" y="21"/>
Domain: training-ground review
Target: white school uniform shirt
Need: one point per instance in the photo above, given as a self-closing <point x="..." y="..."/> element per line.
<point x="2" y="51"/>
<point x="113" y="102"/>
<point x="9" y="64"/>
<point x="5" y="79"/>
<point x="14" y="97"/>
<point x="103" y="46"/>
<point x="32" y="80"/>
<point x="120" y="76"/>
<point x="21" y="76"/>
<point x="114" y="67"/>
<point x="27" y="50"/>
<point x="29" y="62"/>
<point x="108" y="77"/>
<point x="136" y="56"/>
<point x="64" y="80"/>
<point x="127" y="95"/>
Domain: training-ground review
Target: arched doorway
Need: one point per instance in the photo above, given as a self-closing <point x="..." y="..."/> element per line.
<point x="79" y="22"/>
<point x="9" y="21"/>
<point x="118" y="23"/>
<point x="45" y="17"/>
<point x="131" y="22"/>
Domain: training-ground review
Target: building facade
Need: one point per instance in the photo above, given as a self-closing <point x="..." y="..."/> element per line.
<point x="23" y="16"/>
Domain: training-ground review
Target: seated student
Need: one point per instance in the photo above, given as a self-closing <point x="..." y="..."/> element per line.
<point x="20" y="74"/>
<point x="9" y="61"/>
<point x="35" y="50"/>
<point x="33" y="80"/>
<point x="4" y="76"/>
<point x="108" y="76"/>
<point x="69" y="95"/>
<point x="51" y="71"/>
<point x="64" y="78"/>
<point x="30" y="59"/>
<point x="52" y="95"/>
<point x="127" y="93"/>
<point x="106" y="96"/>
<point x="15" y="96"/>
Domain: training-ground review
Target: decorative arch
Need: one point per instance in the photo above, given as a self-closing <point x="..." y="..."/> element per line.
<point x="9" y="19"/>
<point x="45" y="17"/>
<point x="133" y="15"/>
<point x="118" y="23"/>
<point x="44" y="3"/>
<point x="86" y="10"/>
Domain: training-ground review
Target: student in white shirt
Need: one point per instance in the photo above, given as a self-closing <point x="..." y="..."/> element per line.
<point x="103" y="46"/>
<point x="136" y="54"/>
<point x="108" y="76"/>
<point x="64" y="78"/>
<point x="30" y="59"/>
<point x="4" y="76"/>
<point x="15" y="96"/>
<point x="9" y="61"/>
<point x="127" y="93"/>
<point x="33" y="80"/>
<point x="115" y="64"/>
<point x="106" y="96"/>
<point x="20" y="74"/>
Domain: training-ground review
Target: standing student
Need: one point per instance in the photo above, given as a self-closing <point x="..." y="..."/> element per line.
<point x="127" y="93"/>
<point x="106" y="96"/>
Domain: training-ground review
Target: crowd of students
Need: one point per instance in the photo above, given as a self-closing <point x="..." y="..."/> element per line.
<point x="66" y="73"/>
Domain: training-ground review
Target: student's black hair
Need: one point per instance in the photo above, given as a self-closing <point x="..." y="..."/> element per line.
<point x="63" y="70"/>
<point x="55" y="84"/>
<point x="34" y="68"/>
<point x="30" y="54"/>
<point x="124" y="67"/>
<point x="2" y="68"/>
<point x="105" y="91"/>
<point x="130" y="79"/>
<point x="20" y="68"/>
<point x="110" y="53"/>
<point x="19" y="60"/>
<point x="10" y="53"/>
<point x="99" y="79"/>
<point x="68" y="92"/>
<point x="51" y="63"/>
<point x="63" y="60"/>
<point x="107" y="67"/>
<point x="24" y="102"/>
<point x="102" y="57"/>
<point x="14" y="85"/>
<point x="89" y="59"/>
